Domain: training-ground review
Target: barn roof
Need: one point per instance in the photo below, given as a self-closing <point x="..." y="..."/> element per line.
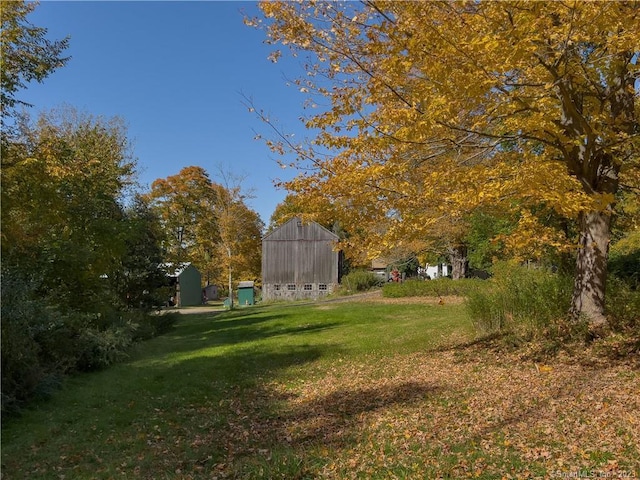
<point x="283" y="232"/>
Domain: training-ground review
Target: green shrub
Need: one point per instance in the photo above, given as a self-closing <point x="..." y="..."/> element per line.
<point x="622" y="305"/>
<point x="23" y="316"/>
<point x="624" y="259"/>
<point x="100" y="348"/>
<point x="147" y="325"/>
<point x="40" y="344"/>
<point x="520" y="300"/>
<point x="359" y="281"/>
<point x="439" y="287"/>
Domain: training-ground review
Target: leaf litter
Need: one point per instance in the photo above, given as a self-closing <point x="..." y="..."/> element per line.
<point x="468" y="413"/>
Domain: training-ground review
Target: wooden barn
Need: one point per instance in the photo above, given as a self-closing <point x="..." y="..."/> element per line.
<point x="299" y="262"/>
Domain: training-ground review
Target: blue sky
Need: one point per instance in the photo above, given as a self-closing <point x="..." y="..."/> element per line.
<point x="176" y="73"/>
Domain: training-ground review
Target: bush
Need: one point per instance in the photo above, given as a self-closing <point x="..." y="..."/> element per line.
<point x="98" y="349"/>
<point x="439" y="287"/>
<point x="23" y="317"/>
<point x="360" y="281"/>
<point x="40" y="344"/>
<point x="623" y="305"/>
<point x="624" y="259"/>
<point x="519" y="300"/>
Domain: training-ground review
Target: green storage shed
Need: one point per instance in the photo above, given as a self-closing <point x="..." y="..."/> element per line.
<point x="188" y="283"/>
<point x="246" y="294"/>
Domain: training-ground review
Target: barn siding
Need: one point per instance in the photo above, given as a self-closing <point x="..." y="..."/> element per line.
<point x="299" y="254"/>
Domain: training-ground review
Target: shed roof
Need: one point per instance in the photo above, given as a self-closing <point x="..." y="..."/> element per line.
<point x="247" y="284"/>
<point x="175" y="269"/>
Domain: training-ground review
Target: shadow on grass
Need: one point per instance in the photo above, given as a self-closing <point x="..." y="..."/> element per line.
<point x="260" y="422"/>
<point x="230" y="329"/>
<point x="185" y="405"/>
<point x="150" y="418"/>
<point x="331" y="419"/>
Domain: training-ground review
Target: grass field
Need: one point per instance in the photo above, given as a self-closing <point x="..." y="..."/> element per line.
<point x="331" y="390"/>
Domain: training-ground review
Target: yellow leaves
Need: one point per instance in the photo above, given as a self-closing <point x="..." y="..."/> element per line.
<point x="454" y="106"/>
<point x="541" y="368"/>
<point x="532" y="240"/>
<point x="275" y="56"/>
<point x="603" y="201"/>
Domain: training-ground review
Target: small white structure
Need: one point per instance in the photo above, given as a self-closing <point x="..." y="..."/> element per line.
<point x="436" y="271"/>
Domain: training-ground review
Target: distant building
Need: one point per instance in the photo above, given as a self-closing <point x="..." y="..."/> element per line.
<point x="187" y="282"/>
<point x="380" y="268"/>
<point x="210" y="292"/>
<point x="299" y="261"/>
<point x="436" y="271"/>
<point x="246" y="293"/>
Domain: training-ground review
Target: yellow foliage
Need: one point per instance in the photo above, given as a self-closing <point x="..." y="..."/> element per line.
<point x="454" y="106"/>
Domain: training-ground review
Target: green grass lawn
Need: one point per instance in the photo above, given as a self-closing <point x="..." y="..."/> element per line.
<point x="327" y="390"/>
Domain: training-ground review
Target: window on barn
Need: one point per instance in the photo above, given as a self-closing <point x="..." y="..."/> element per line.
<point x="291" y="287"/>
<point x="276" y="286"/>
<point x="322" y="286"/>
<point x="308" y="286"/>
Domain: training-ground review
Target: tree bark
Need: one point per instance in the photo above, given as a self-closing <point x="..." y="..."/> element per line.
<point x="459" y="261"/>
<point x="591" y="269"/>
<point x="230" y="280"/>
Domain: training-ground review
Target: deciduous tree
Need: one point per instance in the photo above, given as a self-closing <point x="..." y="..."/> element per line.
<point x="240" y="243"/>
<point x="208" y="224"/>
<point x="61" y="202"/>
<point x="186" y="205"/>
<point x="438" y="108"/>
<point x="26" y="53"/>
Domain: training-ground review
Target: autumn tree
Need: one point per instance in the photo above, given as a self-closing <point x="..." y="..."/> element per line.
<point x="208" y="224"/>
<point x="185" y="204"/>
<point x="240" y="244"/>
<point x="293" y="205"/>
<point x="26" y="53"/>
<point x="439" y="108"/>
<point x="61" y="202"/>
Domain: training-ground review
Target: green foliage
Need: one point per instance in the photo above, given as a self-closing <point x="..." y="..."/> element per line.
<point x="431" y="288"/>
<point x="41" y="344"/>
<point x="624" y="259"/>
<point x="484" y="227"/>
<point x="62" y="217"/>
<point x="623" y="305"/>
<point x="359" y="281"/>
<point x="146" y="326"/>
<point x="24" y="317"/>
<point x="76" y="263"/>
<point x="519" y="299"/>
<point x="138" y="280"/>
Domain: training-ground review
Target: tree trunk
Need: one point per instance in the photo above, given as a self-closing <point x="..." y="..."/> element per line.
<point x="459" y="261"/>
<point x="230" y="280"/>
<point x="591" y="269"/>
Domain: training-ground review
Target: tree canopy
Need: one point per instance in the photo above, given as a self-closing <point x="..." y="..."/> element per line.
<point x="208" y="224"/>
<point x="26" y="53"/>
<point x="62" y="187"/>
<point x="436" y="109"/>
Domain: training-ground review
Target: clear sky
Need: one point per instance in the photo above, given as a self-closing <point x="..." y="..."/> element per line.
<point x="176" y="73"/>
